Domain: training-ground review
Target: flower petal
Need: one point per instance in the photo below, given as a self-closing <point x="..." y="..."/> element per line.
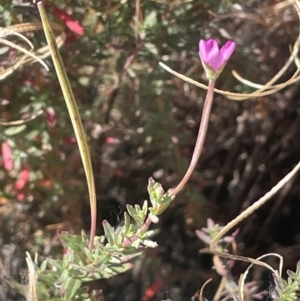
<point x="69" y="21"/>
<point x="7" y="156"/>
<point x="208" y="49"/>
<point x="227" y="50"/>
<point x="51" y="117"/>
<point x="210" y="54"/>
<point x="23" y="178"/>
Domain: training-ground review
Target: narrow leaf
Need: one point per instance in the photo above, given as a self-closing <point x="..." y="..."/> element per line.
<point x="14" y="130"/>
<point x="109" y="232"/>
<point x="74" y="115"/>
<point x="127" y="223"/>
<point x="70" y="286"/>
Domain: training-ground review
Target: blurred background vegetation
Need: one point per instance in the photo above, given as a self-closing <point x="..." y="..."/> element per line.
<point x="141" y="121"/>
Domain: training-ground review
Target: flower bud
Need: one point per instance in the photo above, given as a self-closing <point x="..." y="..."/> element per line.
<point x="214" y="59"/>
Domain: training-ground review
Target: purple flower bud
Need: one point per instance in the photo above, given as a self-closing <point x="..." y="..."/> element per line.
<point x="213" y="58"/>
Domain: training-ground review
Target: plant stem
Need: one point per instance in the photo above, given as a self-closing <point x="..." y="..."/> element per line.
<point x="201" y="136"/>
<point x="197" y="151"/>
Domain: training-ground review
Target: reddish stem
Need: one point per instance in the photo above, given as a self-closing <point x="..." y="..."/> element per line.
<point x="201" y="136"/>
<point x="197" y="151"/>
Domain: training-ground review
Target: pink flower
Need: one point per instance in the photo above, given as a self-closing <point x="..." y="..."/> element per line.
<point x="23" y="178"/>
<point x="213" y="58"/>
<point x="21" y="183"/>
<point x="112" y="140"/>
<point x="20" y="197"/>
<point x="7" y="156"/>
<point x="51" y="117"/>
<point x="69" y="21"/>
<point x="70" y="140"/>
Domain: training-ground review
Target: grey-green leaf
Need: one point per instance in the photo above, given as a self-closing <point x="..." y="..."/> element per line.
<point x="109" y="232"/>
<point x="71" y="286"/>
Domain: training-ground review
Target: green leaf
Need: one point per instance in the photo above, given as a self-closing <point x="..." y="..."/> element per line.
<point x="145" y="207"/>
<point x="6" y="16"/>
<point x="83" y="295"/>
<point x="84" y="237"/>
<point x="21" y="288"/>
<point x="136" y="243"/>
<point x="157" y="195"/>
<point x="64" y="275"/>
<point x="126" y="224"/>
<point x="141" y="212"/>
<point x="118" y="236"/>
<point x="98" y="262"/>
<point x="155" y="191"/>
<point x="74" y="243"/>
<point x="107" y="271"/>
<point x="130" y="253"/>
<point x="14" y="130"/>
<point x="77" y="271"/>
<point x="149" y="233"/>
<point x="151" y="19"/>
<point x="56" y="263"/>
<point x="151" y="48"/>
<point x="115" y="270"/>
<point x="43" y="265"/>
<point x="74" y="115"/>
<point x="48" y="277"/>
<point x="159" y="209"/>
<point x="136" y="213"/>
<point x="32" y="134"/>
<point x="109" y="232"/>
<point x="70" y="286"/>
<point x="131" y="211"/>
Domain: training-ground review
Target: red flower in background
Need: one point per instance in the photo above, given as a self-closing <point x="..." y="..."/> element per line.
<point x="51" y="117"/>
<point x="152" y="290"/>
<point x="69" y="21"/>
<point x="7" y="156"/>
<point x="22" y="181"/>
<point x="70" y="140"/>
<point x="23" y="178"/>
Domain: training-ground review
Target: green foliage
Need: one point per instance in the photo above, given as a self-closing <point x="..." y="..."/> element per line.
<point x="137" y="213"/>
<point x="159" y="199"/>
<point x="286" y="290"/>
<point x="111" y="253"/>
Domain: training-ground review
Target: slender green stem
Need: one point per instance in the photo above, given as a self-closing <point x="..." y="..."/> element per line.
<point x="201" y="136"/>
